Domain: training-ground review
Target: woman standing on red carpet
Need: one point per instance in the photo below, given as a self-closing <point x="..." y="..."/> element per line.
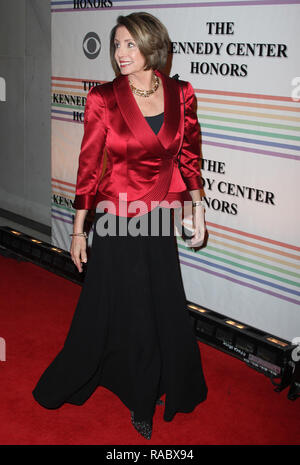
<point x="131" y="331"/>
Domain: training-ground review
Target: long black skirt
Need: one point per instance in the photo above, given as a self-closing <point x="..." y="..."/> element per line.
<point x="131" y="331"/>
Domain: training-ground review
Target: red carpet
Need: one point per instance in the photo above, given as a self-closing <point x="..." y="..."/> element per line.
<point x="35" y="314"/>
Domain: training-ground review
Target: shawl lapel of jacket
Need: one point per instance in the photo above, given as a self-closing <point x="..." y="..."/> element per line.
<point x="171" y="109"/>
<point x="157" y="144"/>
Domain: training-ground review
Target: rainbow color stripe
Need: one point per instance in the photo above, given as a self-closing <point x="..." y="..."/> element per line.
<point x="235" y="120"/>
<point x="67" y="5"/>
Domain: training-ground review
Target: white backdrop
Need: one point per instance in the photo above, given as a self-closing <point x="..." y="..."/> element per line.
<point x="241" y="60"/>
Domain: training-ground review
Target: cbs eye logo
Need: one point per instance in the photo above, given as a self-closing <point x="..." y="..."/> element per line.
<point x="91" y="45"/>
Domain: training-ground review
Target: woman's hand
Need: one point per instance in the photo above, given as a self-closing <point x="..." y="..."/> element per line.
<point x="199" y="226"/>
<point x="78" y="251"/>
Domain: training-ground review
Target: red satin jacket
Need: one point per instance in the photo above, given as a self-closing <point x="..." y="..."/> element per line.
<point x="142" y="168"/>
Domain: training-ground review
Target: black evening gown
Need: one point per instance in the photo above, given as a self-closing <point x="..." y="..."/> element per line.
<point x="131" y="331"/>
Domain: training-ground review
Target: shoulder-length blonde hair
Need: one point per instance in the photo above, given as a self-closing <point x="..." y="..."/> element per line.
<point x="150" y="35"/>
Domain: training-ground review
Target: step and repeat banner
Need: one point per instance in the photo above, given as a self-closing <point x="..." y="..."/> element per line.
<point x="242" y="58"/>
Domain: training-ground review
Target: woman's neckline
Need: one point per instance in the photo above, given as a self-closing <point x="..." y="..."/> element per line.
<point x="154" y="116"/>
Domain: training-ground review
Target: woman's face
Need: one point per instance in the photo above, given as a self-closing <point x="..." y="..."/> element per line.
<point x="127" y="54"/>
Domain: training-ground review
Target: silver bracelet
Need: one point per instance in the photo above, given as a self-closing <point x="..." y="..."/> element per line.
<point x="198" y="202"/>
<point x="84" y="234"/>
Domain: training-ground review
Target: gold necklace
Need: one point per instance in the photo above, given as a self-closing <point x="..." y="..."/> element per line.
<point x="145" y="93"/>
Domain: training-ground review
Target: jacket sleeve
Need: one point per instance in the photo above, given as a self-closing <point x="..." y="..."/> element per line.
<point x="190" y="152"/>
<point x="91" y="152"/>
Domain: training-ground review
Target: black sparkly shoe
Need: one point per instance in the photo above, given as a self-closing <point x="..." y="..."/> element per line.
<point x="142" y="427"/>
